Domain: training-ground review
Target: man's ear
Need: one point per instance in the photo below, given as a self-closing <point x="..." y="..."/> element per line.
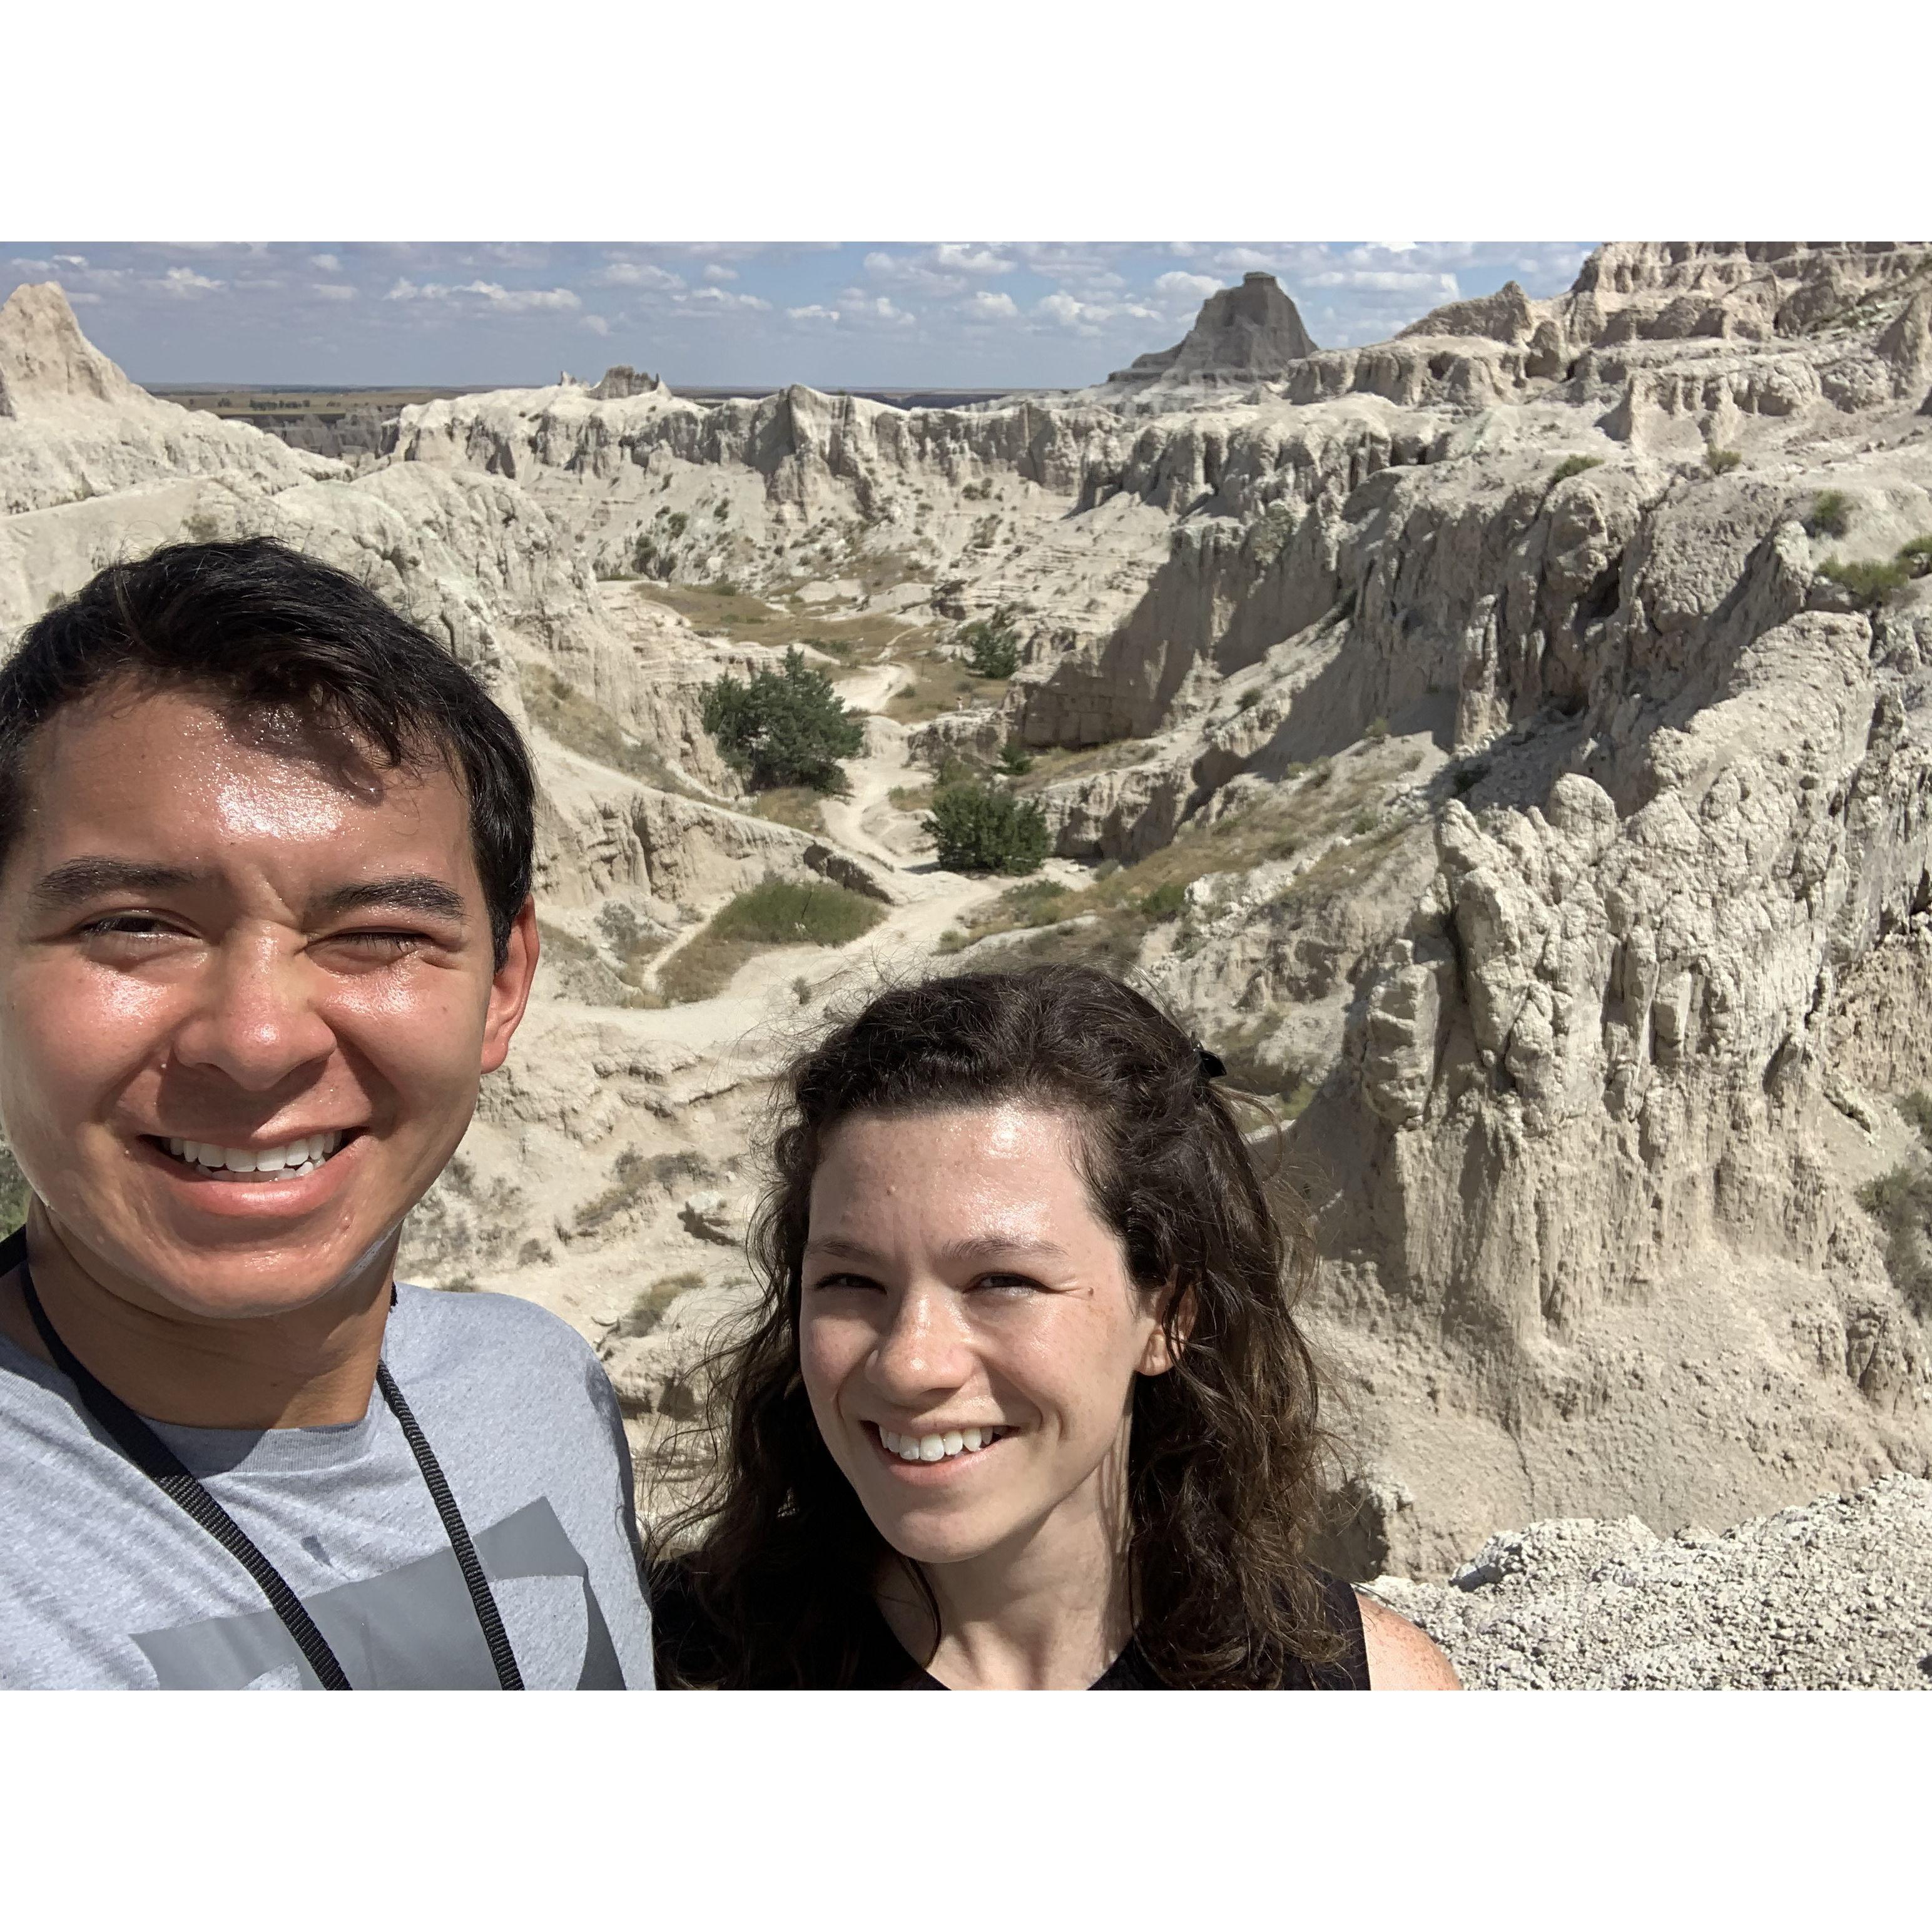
<point x="1161" y="1354"/>
<point x="510" y="987"/>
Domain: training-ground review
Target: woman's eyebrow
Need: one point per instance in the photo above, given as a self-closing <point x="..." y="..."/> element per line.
<point x="987" y="1247"/>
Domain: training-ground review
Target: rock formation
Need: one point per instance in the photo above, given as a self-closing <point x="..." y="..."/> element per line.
<point x="1251" y="334"/>
<point x="1529" y="715"/>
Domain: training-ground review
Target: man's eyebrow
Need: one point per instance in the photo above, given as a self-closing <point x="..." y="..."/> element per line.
<point x="79" y="880"/>
<point x="407" y="892"/>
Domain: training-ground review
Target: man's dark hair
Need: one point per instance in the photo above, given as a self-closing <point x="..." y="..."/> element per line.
<point x="260" y="625"/>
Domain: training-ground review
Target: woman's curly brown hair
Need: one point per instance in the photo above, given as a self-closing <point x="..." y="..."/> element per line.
<point x="1225" y="1451"/>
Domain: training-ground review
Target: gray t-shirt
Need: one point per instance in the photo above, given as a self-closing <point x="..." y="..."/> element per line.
<point x="105" y="1583"/>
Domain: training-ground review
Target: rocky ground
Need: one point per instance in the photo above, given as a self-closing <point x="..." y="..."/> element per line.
<point x="1509" y="745"/>
<point x="1828" y="1595"/>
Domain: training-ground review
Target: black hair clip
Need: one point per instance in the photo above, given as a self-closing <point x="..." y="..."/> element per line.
<point x="1212" y="1065"/>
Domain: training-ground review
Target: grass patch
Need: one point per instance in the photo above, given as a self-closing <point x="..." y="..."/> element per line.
<point x="1722" y="462"/>
<point x="1122" y="904"/>
<point x="1058" y="763"/>
<point x="795" y="806"/>
<point x="776" y="912"/>
<point x="1871" y="584"/>
<point x="586" y="727"/>
<point x="909" y="798"/>
<point x="857" y="641"/>
<point x="654" y="1303"/>
<point x="1830" y="514"/>
<point x="633" y="1176"/>
<point x="1574" y="465"/>
<point x="936" y="684"/>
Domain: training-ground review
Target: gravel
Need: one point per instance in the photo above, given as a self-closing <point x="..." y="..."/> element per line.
<point x="1835" y="1595"/>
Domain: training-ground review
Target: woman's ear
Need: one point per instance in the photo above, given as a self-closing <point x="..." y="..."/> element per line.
<point x="1169" y="1337"/>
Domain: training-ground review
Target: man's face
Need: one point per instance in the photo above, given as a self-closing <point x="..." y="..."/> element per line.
<point x="214" y="937"/>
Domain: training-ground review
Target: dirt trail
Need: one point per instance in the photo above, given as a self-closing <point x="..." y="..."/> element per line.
<point x="764" y="989"/>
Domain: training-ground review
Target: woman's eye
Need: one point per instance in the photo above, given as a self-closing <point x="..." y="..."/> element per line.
<point x="843" y="1281"/>
<point x="1007" y="1284"/>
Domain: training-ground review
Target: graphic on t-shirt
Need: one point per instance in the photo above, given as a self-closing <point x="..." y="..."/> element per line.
<point x="413" y="1629"/>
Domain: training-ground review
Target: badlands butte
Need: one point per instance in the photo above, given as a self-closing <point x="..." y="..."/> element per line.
<point x="1508" y="745"/>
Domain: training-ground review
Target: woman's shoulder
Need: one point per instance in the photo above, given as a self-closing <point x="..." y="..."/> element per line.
<point x="1397" y="1655"/>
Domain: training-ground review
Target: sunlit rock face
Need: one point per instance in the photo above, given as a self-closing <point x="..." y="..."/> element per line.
<point x="1506" y="744"/>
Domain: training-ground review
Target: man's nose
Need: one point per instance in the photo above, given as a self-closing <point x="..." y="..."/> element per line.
<point x="255" y="1018"/>
<point x="924" y="1348"/>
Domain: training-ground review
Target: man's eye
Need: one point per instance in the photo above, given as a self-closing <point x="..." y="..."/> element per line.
<point x="391" y="944"/>
<point x="127" y="925"/>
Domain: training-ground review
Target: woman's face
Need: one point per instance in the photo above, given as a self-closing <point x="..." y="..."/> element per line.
<point x="958" y="1287"/>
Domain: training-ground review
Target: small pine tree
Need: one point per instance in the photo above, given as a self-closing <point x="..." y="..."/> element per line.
<point x="980" y="829"/>
<point x="992" y="646"/>
<point x="784" y="728"/>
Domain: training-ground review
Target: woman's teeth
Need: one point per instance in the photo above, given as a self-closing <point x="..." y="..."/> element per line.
<point x="939" y="1448"/>
<point x="301" y="1156"/>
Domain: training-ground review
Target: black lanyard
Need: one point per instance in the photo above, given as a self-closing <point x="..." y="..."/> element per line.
<point x="166" y="1470"/>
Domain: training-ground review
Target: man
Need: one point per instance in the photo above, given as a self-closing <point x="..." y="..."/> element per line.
<point x="265" y="923"/>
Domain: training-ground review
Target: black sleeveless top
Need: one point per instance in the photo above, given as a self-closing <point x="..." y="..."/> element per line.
<point x="689" y="1647"/>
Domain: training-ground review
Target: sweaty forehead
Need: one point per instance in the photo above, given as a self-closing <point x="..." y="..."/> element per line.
<point x="172" y="773"/>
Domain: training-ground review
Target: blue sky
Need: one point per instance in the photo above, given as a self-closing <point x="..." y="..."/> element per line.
<point x="967" y="314"/>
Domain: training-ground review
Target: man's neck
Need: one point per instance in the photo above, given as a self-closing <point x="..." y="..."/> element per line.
<point x="305" y="1368"/>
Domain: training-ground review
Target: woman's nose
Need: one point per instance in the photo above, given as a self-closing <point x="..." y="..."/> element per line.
<point x="255" y="1019"/>
<point x="924" y="1348"/>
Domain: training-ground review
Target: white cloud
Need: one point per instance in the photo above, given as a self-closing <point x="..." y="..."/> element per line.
<point x="1178" y="286"/>
<point x="727" y="298"/>
<point x="813" y="312"/>
<point x="989" y="305"/>
<point x="637" y="275"/>
<point x="1061" y="308"/>
<point x="596" y="325"/>
<point x="874" y="311"/>
<point x="186" y="282"/>
<point x="70" y="261"/>
<point x="329" y="264"/>
<point x="716" y="272"/>
<point x="334" y="292"/>
<point x="960" y="258"/>
<point x="492" y="295"/>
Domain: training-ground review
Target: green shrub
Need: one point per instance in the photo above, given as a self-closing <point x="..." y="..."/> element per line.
<point x="723" y="510"/>
<point x="992" y="647"/>
<point x="784" y="728"/>
<point x="1015" y="761"/>
<point x="1722" y="462"/>
<point x="644" y="557"/>
<point x="1376" y="729"/>
<point x="1830" y="513"/>
<point x="1916" y="555"/>
<point x="979" y="829"/>
<point x="1167" y="900"/>
<point x="1575" y="466"/>
<point x="676" y="522"/>
<point x="1871" y="584"/>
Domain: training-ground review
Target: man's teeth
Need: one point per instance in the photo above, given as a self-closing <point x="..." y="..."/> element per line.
<point x="301" y="1156"/>
<point x="938" y="1448"/>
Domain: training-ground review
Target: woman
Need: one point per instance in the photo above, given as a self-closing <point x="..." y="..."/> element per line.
<point x="1026" y="1406"/>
